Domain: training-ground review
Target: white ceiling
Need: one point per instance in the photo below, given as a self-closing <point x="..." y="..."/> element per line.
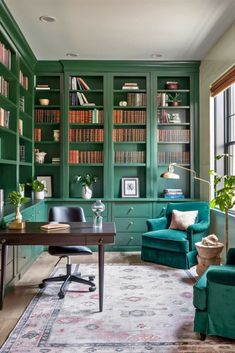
<point x="123" y="29"/>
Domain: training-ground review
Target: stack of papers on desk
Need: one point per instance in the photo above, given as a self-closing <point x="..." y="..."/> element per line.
<point x="51" y="227"/>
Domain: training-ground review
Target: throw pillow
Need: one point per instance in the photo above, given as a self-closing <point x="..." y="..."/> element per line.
<point x="182" y="220"/>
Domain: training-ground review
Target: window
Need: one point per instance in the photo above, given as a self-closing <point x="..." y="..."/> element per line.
<point x="224" y="113"/>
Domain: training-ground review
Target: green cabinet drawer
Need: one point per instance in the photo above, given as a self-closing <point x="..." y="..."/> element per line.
<point x="128" y="239"/>
<point x="131" y="225"/>
<point x="130" y="209"/>
<point x="29" y="214"/>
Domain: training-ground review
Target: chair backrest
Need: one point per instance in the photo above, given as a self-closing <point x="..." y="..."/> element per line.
<point x="66" y="214"/>
<point x="201" y="206"/>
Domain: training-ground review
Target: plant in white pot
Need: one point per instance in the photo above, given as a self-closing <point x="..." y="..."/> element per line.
<point x="86" y="181"/>
<point x="16" y="199"/>
<point x="38" y="188"/>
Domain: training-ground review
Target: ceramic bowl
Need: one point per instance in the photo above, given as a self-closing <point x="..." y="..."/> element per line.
<point x="44" y="101"/>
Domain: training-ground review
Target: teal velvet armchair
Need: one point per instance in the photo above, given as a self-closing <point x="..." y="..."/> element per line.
<point x="173" y="247"/>
<point x="213" y="298"/>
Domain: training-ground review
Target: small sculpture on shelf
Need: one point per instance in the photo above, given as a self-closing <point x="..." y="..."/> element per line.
<point x="15" y="198"/>
<point x="39" y="156"/>
<point x="98" y="207"/>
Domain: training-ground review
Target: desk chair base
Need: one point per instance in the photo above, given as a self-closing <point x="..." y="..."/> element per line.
<point x="66" y="279"/>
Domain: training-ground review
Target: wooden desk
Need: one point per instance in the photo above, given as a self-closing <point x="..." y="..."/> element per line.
<point x="80" y="233"/>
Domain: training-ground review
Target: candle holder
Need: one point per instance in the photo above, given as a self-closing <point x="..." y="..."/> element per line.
<point x="98" y="207"/>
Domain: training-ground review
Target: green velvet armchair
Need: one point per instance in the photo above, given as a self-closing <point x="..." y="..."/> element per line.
<point x="213" y="298"/>
<point x="173" y="247"/>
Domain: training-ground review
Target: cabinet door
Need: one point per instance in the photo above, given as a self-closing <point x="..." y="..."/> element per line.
<point x="29" y="214"/>
<point x="41" y="212"/>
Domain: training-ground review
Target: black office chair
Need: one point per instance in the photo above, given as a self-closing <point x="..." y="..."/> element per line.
<point x="68" y="214"/>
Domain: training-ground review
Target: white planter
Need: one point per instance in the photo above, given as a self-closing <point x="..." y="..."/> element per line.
<point x="39" y="195"/>
<point x="86" y="192"/>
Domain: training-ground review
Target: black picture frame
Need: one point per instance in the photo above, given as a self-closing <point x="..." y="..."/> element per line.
<point x="130" y="187"/>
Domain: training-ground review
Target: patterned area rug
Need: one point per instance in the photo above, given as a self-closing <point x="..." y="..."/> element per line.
<point x="147" y="308"/>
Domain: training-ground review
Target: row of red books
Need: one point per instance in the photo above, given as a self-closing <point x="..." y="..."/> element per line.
<point x="173" y="135"/>
<point x="129" y="116"/>
<point x="37" y="134"/>
<point x="86" y="135"/>
<point x="136" y="99"/>
<point x="47" y="115"/>
<point x="94" y="116"/>
<point x="5" y="56"/>
<point x="85" y="157"/>
<point x="4" y="117"/>
<point x="173" y="157"/>
<point x="129" y="157"/>
<point x="120" y="135"/>
<point x="24" y="80"/>
<point x="4" y="87"/>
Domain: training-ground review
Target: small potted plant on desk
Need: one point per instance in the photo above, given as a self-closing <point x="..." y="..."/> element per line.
<point x="86" y="181"/>
<point x="38" y="188"/>
<point x="16" y="199"/>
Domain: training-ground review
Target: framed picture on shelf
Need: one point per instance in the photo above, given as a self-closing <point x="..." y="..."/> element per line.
<point x="47" y="181"/>
<point x="130" y="187"/>
<point x="173" y="118"/>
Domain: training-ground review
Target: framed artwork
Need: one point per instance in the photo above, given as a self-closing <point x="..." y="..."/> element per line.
<point x="47" y="181"/>
<point x="130" y="187"/>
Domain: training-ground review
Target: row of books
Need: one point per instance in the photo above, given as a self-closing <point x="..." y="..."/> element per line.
<point x="164" y="116"/>
<point x="173" y="194"/>
<point x="55" y="160"/>
<point x="37" y="134"/>
<point x="86" y="135"/>
<point x="4" y="87"/>
<point x="129" y="116"/>
<point x="136" y="99"/>
<point x="77" y="83"/>
<point x="4" y="117"/>
<point x="5" y="56"/>
<point x="24" y="80"/>
<point x="129" y="157"/>
<point x="162" y="99"/>
<point x="173" y="157"/>
<point x="122" y="134"/>
<point x="22" y="103"/>
<point x="79" y="98"/>
<point x="85" y="157"/>
<point x="130" y="85"/>
<point x="47" y="115"/>
<point x="94" y="116"/>
<point x="22" y="153"/>
<point x="43" y="86"/>
<point x="173" y="135"/>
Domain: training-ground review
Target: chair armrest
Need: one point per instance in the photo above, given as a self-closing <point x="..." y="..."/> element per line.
<point x="231" y="257"/>
<point x="198" y="227"/>
<point x="157" y="223"/>
<point x="225" y="276"/>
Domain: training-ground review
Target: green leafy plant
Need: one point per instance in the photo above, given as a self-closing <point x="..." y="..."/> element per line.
<point x="224" y="196"/>
<point x="16" y="199"/>
<point x="85" y="180"/>
<point x="174" y="98"/>
<point x="37" y="185"/>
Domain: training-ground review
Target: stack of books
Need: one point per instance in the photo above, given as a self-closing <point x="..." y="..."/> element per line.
<point x="130" y="85"/>
<point x="173" y="194"/>
<point x="55" y="160"/>
<point x="42" y="86"/>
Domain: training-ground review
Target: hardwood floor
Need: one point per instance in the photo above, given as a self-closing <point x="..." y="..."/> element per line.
<point x="21" y="294"/>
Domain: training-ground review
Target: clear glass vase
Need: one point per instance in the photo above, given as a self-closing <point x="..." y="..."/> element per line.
<point x="98" y="207"/>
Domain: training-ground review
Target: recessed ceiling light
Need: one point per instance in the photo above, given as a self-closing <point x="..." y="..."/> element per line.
<point x="48" y="19"/>
<point x="72" y="55"/>
<point x="156" y="55"/>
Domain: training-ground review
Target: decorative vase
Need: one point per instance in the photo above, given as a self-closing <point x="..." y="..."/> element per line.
<point x="18" y="214"/>
<point x="39" y="195"/>
<point x="86" y="192"/>
<point x="98" y="207"/>
<point x="40" y="157"/>
<point x="18" y="223"/>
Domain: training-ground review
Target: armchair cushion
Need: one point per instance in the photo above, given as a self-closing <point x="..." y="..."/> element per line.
<point x="157" y="223"/>
<point x="198" y="227"/>
<point x="167" y="239"/>
<point x="182" y="220"/>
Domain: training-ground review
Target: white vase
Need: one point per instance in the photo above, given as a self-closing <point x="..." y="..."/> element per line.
<point x="39" y="195"/>
<point x="86" y="192"/>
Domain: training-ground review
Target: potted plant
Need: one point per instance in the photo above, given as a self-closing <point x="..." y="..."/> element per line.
<point x="86" y="181"/>
<point x="16" y="199"/>
<point x="225" y="196"/>
<point x="38" y="188"/>
<point x="173" y="100"/>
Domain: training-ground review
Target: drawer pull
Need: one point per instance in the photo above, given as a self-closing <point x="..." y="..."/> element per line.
<point x="130" y="210"/>
<point x="3" y="241"/>
<point x="100" y="241"/>
<point x="130" y="224"/>
<point x="131" y="238"/>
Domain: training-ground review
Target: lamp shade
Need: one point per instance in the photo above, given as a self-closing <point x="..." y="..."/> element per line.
<point x="169" y="174"/>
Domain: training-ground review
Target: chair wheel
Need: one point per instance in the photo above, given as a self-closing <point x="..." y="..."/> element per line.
<point x="92" y="289"/>
<point x="61" y="295"/>
<point x="91" y="278"/>
<point x="42" y="285"/>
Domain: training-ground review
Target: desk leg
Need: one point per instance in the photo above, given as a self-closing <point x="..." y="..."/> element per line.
<point x="101" y="276"/>
<point x="3" y="273"/>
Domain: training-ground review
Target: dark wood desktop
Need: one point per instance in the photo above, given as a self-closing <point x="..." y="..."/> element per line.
<point x="80" y="233"/>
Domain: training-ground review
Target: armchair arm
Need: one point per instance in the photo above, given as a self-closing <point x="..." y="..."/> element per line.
<point x="157" y="223"/>
<point x="222" y="276"/>
<point x="231" y="257"/>
<point x="198" y="227"/>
